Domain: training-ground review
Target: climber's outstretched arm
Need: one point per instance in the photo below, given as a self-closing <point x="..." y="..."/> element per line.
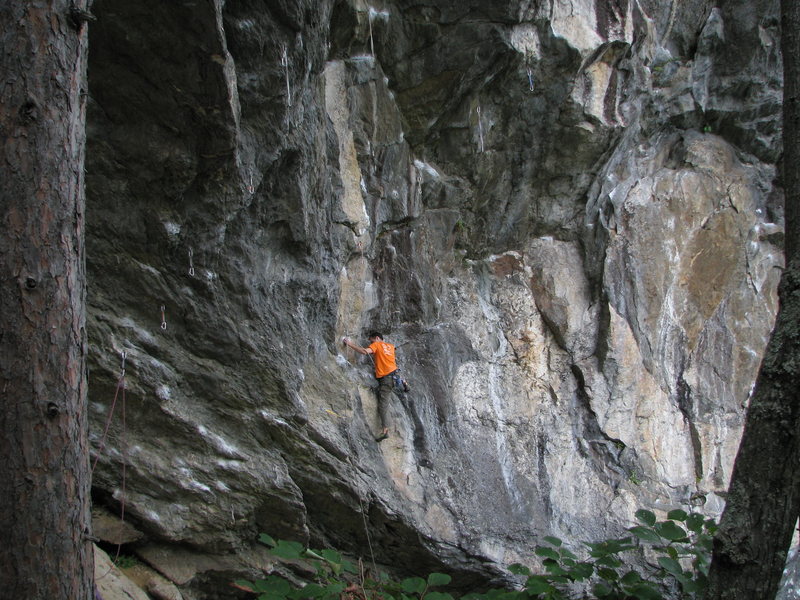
<point x="347" y="342"/>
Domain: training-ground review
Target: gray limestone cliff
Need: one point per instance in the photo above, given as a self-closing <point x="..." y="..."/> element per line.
<point x="565" y="214"/>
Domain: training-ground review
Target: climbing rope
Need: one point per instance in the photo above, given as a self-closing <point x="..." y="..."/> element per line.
<point x="480" y="126"/>
<point x="123" y="444"/>
<point x="360" y="502"/>
<point x="371" y="44"/>
<point x="348" y="433"/>
<point x="363" y="512"/>
<point x="366" y="530"/>
<point x="285" y="65"/>
<point x="120" y="386"/>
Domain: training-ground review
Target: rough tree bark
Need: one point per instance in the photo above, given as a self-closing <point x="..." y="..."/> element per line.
<point x="764" y="495"/>
<point x="44" y="465"/>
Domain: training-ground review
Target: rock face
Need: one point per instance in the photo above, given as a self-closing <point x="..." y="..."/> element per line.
<point x="564" y="214"/>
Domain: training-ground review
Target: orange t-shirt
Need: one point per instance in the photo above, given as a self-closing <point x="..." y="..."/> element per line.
<point x="383" y="354"/>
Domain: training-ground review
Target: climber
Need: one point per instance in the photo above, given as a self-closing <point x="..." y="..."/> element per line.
<point x="386" y="372"/>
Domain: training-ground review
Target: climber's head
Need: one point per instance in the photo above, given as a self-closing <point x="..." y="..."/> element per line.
<point x="373" y="336"/>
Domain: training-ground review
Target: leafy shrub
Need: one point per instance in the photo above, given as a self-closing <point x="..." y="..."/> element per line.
<point x="679" y="545"/>
<point x="335" y="577"/>
<point x="125" y="561"/>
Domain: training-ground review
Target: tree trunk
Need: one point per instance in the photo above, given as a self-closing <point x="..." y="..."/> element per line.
<point x="764" y="496"/>
<point x="790" y="47"/>
<point x="44" y="471"/>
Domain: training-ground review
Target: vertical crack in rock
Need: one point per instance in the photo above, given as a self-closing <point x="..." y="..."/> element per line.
<point x="596" y="444"/>
<point x="685" y="404"/>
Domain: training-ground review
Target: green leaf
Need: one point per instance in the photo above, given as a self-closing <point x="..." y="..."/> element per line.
<point x="610" y="547"/>
<point x="608" y="574"/>
<point x="702" y="564"/>
<point x="349" y="567"/>
<point x="646" y="517"/>
<point x="670" y="531"/>
<point x="581" y="571"/>
<point x="413" y="585"/>
<point x="691" y="587"/>
<point x="646" y="534"/>
<point x="631" y="578"/>
<point x="645" y="591"/>
<point x="266" y="540"/>
<point x="705" y="543"/>
<point x="601" y="590"/>
<point x="438" y="579"/>
<point x="331" y="556"/>
<point x="311" y="590"/>
<point x="538" y="585"/>
<point x="274" y="585"/>
<point x="673" y="552"/>
<point x="553" y="541"/>
<point x="567" y="554"/>
<point x="670" y="565"/>
<point x="609" y="561"/>
<point x="694" y="522"/>
<point x="288" y="550"/>
<point x="553" y="567"/>
<point x="701" y="579"/>
<point x="334" y="590"/>
<point x="438" y="596"/>
<point x="677" y="515"/>
<point x="547" y="552"/>
<point x="518" y="569"/>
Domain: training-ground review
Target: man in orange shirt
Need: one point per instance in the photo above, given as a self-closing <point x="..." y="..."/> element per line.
<point x="383" y="357"/>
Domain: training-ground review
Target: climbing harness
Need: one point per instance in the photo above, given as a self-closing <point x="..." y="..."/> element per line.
<point x="400" y="384"/>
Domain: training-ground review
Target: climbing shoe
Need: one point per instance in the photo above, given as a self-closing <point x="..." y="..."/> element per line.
<point x="382" y="436"/>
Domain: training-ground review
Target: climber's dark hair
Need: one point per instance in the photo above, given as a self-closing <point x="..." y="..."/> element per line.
<point x="374" y="334"/>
